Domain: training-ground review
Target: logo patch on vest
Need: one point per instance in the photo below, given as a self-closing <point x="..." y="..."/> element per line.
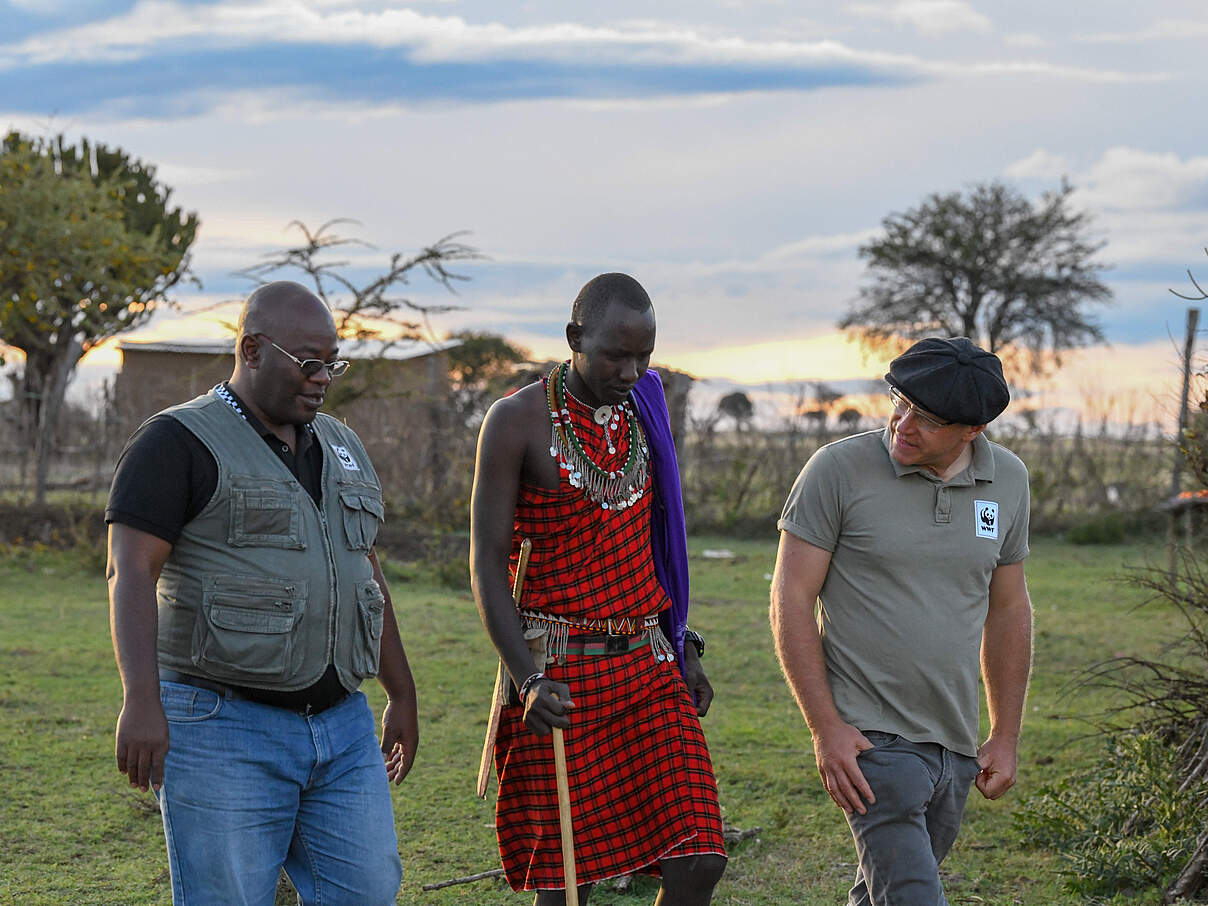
<point x="986" y="515"/>
<point x="345" y="458"/>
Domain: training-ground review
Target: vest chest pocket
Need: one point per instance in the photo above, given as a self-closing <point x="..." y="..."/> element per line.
<point x="371" y="608"/>
<point x="265" y="513"/>
<point x="246" y="628"/>
<point x="362" y="511"/>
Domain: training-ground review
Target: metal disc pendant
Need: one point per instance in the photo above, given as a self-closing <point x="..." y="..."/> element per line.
<point x="602" y="415"/>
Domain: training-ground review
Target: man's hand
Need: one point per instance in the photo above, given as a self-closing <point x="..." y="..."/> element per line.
<point x="698" y="683"/>
<point x="998" y="760"/>
<point x="142" y="743"/>
<point x="400" y="739"/>
<point x="835" y="752"/>
<point x="546" y="705"/>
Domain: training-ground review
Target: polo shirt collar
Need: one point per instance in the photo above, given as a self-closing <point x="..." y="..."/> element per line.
<point x="305" y="438"/>
<point x="980" y="469"/>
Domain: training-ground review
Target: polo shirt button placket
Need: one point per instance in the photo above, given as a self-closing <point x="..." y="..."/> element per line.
<point x="943" y="506"/>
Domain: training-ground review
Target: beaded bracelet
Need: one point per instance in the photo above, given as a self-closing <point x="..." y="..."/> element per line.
<point x="528" y="684"/>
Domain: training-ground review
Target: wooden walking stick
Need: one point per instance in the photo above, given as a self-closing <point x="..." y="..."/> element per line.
<point x="501" y="680"/>
<point x="564" y="820"/>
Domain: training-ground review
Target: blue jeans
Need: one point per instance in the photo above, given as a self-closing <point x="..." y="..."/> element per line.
<point x="921" y="790"/>
<point x="250" y="788"/>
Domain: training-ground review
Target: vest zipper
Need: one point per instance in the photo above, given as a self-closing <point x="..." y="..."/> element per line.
<point x="331" y="563"/>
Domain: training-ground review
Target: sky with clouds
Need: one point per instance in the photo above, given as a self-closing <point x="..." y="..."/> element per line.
<point x="731" y="154"/>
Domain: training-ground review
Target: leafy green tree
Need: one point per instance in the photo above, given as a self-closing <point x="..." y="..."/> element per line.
<point x="1015" y="277"/>
<point x="481" y="368"/>
<point x="89" y="246"/>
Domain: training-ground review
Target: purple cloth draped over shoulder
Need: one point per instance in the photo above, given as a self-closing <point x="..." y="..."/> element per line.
<point x="668" y="534"/>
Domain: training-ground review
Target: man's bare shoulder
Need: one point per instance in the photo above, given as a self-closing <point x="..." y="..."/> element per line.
<point x="518" y="414"/>
<point x="528" y="400"/>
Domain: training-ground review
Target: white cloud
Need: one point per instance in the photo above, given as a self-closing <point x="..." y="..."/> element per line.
<point x="930" y="17"/>
<point x="174" y="174"/>
<point x="151" y="23"/>
<point x="155" y="26"/>
<point x="1130" y="179"/>
<point x="56" y="7"/>
<point x="1162" y="30"/>
<point x="1040" y="165"/>
<point x="1025" y="40"/>
<point x="1152" y="206"/>
<point x="815" y="246"/>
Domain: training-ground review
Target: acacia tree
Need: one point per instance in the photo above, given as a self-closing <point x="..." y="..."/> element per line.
<point x="88" y="248"/>
<point x="374" y="308"/>
<point x="1014" y="276"/>
<point x="377" y="307"/>
<point x="738" y="407"/>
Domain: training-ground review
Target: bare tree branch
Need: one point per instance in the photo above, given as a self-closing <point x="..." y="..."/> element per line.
<point x="373" y="309"/>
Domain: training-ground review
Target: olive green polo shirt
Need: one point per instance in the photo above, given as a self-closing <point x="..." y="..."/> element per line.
<point x="905" y="598"/>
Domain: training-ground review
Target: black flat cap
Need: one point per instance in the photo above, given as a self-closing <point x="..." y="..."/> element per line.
<point x="952" y="378"/>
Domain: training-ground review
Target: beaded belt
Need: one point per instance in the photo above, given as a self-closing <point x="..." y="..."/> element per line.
<point x="606" y="644"/>
<point x="593" y="636"/>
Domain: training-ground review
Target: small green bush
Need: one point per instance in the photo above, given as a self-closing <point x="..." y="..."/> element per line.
<point x="1116" y="527"/>
<point x="1124" y="823"/>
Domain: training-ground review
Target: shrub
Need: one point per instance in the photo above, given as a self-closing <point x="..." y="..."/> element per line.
<point x="1117" y="527"/>
<point x="1139" y="816"/>
<point x="1126" y="823"/>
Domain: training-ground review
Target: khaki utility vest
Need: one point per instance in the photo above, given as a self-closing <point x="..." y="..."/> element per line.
<point x="264" y="588"/>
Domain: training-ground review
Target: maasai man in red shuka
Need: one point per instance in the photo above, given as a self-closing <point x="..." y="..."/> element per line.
<point x="581" y="463"/>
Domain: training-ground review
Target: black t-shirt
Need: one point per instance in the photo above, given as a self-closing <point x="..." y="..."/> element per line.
<point x="166" y="475"/>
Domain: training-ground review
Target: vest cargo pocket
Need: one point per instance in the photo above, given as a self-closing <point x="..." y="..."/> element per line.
<point x="265" y="513"/>
<point x="371" y="607"/>
<point x="361" y="506"/>
<point x="246" y="627"/>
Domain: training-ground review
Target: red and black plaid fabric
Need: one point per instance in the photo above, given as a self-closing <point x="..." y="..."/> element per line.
<point x="587" y="561"/>
<point x="641" y="782"/>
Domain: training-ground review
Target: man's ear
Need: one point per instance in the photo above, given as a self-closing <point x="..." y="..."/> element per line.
<point x="249" y="351"/>
<point x="972" y="431"/>
<point x="574" y="336"/>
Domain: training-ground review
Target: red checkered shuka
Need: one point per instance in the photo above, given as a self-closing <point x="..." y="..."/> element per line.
<point x="641" y="782"/>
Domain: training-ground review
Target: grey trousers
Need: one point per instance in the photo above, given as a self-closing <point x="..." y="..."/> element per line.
<point x="921" y="790"/>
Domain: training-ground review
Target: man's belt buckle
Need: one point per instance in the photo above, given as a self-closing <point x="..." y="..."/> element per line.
<point x="616" y="644"/>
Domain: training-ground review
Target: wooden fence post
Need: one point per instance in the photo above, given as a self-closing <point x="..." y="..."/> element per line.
<point x="1172" y="542"/>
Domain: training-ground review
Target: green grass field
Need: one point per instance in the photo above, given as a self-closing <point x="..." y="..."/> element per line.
<point x="72" y="831"/>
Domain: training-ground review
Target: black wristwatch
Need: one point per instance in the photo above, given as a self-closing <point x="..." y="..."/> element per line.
<point x="697" y="640"/>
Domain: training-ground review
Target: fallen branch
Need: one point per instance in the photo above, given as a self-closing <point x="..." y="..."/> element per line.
<point x="452" y="882"/>
<point x="734" y="835"/>
<point x="1191" y="879"/>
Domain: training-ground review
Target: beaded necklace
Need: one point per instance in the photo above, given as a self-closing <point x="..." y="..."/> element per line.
<point x="223" y="394"/>
<point x="612" y="489"/>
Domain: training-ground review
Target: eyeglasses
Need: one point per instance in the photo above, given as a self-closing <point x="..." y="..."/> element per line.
<point x="311" y="367"/>
<point x="925" y="420"/>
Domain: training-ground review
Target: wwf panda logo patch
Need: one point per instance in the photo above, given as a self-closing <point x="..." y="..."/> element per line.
<point x="985" y="518"/>
<point x="345" y="458"/>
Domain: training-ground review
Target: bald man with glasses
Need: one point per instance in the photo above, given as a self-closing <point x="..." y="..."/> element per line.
<point x="247" y="607"/>
<point x="900" y="574"/>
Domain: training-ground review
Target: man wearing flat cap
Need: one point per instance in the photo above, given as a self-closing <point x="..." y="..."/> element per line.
<point x="900" y="569"/>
